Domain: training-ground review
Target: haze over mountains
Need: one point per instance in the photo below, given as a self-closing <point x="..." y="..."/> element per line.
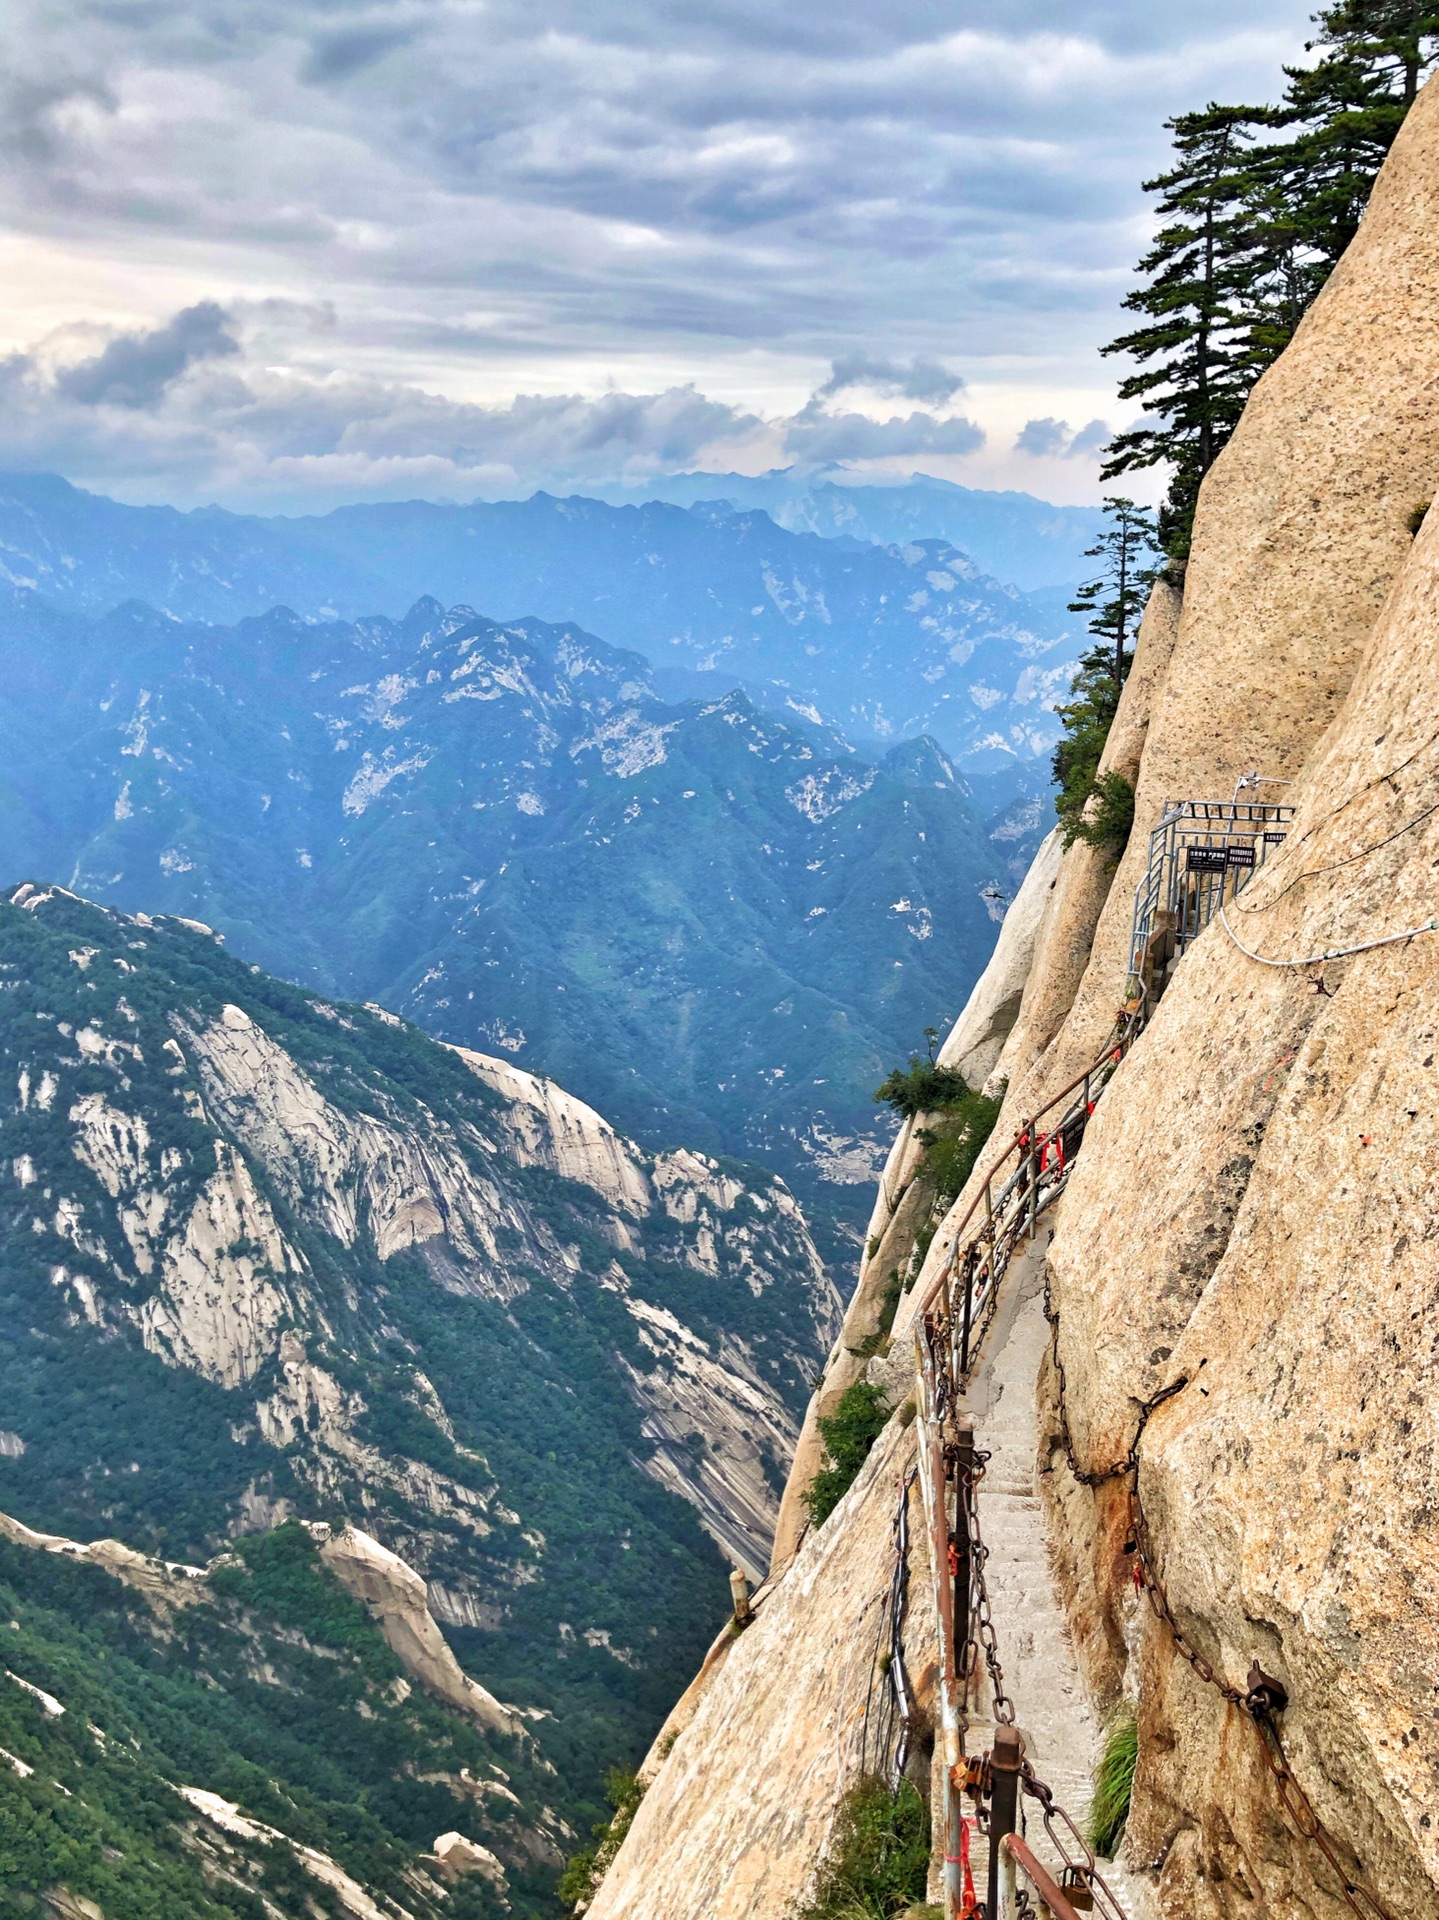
<point x="1029" y="543"/>
<point x="885" y="642"/>
<point x="660" y="871"/>
<point x="717" y="926"/>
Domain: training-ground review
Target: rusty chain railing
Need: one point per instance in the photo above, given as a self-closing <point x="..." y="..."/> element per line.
<point x="951" y="1322"/>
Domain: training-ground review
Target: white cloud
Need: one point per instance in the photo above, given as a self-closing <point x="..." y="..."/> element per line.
<point x="408" y="214"/>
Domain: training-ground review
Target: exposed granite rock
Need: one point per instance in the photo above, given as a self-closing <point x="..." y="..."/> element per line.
<point x="1272" y="1243"/>
<point x="976" y="1040"/>
<point x="1087" y="879"/>
<point x="739" y="1811"/>
<point x="164" y="1583"/>
<point x="393" y="1594"/>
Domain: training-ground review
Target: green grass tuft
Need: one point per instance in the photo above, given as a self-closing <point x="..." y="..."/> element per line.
<point x="878" y="1859"/>
<point x="1114" y="1782"/>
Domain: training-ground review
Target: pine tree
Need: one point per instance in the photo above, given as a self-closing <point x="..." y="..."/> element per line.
<point x="1090" y="807"/>
<point x="1254" y="231"/>
<point x="1195" y="350"/>
<point x="1346" y="111"/>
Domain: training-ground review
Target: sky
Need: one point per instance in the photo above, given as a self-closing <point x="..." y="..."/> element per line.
<point x="281" y="256"/>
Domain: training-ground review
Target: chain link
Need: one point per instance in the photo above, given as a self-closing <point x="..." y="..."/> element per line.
<point x="981" y="1630"/>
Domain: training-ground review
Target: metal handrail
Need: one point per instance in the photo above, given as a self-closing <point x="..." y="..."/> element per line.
<point x="950" y="1325"/>
<point x="1015" y="1858"/>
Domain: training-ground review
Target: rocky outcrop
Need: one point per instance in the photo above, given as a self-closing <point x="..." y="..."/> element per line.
<point x="164" y="1583"/>
<point x="1251" y="1221"/>
<point x="738" y="1811"/>
<point x="976" y="1040"/>
<point x="458" y="1857"/>
<point x="1087" y="881"/>
<point x="346" y="1893"/>
<point x="393" y="1594"/>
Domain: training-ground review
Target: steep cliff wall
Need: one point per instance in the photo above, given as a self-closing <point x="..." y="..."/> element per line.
<point x="1272" y="1242"/>
<point x="1253" y="1211"/>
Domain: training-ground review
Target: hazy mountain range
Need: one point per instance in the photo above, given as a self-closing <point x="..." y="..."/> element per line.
<point x="882" y="641"/>
<point x="1029" y="543"/>
<point x="718" y="926"/>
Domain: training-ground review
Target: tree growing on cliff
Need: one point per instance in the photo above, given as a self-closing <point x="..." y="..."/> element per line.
<point x="1252" y="229"/>
<point x="1094" y="807"/>
<point x="1193" y="348"/>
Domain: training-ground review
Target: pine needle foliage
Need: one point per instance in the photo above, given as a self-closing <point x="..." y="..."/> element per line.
<point x="1114" y="1783"/>
<point x="1092" y="807"/>
<point x="848" y="1433"/>
<point x="878" y="1860"/>
<point x="1255" y="212"/>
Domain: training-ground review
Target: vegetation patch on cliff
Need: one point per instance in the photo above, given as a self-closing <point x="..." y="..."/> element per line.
<point x="584" y="1871"/>
<point x="1114" y="1782"/>
<point x="878" y="1861"/>
<point x="848" y="1434"/>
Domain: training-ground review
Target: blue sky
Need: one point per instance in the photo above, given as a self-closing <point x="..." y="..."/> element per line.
<point x="284" y="255"/>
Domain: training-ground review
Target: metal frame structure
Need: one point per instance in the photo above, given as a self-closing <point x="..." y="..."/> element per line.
<point x="950" y="1324"/>
<point x="1200" y="855"/>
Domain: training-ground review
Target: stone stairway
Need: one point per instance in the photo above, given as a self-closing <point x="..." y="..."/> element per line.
<point x="1062" y="1736"/>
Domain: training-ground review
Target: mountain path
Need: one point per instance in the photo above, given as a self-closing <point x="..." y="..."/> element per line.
<point x="1062" y="1735"/>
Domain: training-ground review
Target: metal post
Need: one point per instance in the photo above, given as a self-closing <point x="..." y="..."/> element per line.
<point x="963" y="1468"/>
<point x="1033" y="1183"/>
<point x="969" y="1265"/>
<point x="739" y="1593"/>
<point x="1008" y="1886"/>
<point x="1003" y="1801"/>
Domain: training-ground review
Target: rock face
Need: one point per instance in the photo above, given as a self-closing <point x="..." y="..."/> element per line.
<point x="977" y="1039"/>
<point x="1252" y="1219"/>
<point x="1272" y="1244"/>
<point x="394" y="1596"/>
<point x="294" y="1259"/>
<point x="738" y="1811"/>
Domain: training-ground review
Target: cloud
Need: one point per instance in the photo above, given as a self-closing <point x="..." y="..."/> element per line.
<point x="137" y="369"/>
<point x="816" y="435"/>
<point x="1090" y="441"/>
<point x="1050" y="438"/>
<point x="544" y="197"/>
<point x="919" y="380"/>
<point x="188" y="407"/>
<point x="1043" y="437"/>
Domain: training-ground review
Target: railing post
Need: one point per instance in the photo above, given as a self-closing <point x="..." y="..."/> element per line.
<point x="963" y="1469"/>
<point x="1008" y="1886"/>
<point x="969" y="1265"/>
<point x="1003" y="1803"/>
<point x="1034" y="1184"/>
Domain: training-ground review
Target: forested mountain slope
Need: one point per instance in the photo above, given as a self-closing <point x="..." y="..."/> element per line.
<point x="886" y="641"/>
<point x="716" y="926"/>
<point x="266" y="1256"/>
<point x="241" y="1743"/>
